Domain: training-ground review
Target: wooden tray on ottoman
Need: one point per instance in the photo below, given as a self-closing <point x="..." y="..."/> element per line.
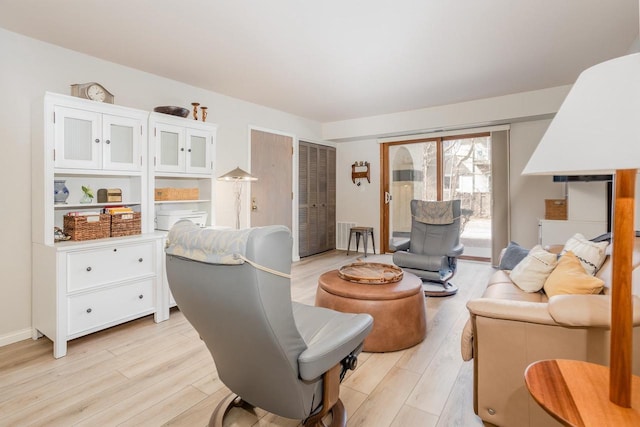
<point x="370" y="273"/>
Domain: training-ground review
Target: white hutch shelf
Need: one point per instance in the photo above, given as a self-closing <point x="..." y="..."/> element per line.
<point x="80" y="287"/>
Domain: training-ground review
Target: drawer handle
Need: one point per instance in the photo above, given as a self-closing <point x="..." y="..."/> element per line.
<point x="140" y="296"/>
<point x="139" y="259"/>
<point x="88" y="268"/>
<point x="115" y="249"/>
<point x="89" y="310"/>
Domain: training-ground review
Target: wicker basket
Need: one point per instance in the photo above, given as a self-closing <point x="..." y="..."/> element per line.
<point x="125" y="224"/>
<point x="87" y="227"/>
<point x="176" y="194"/>
<point x="555" y="209"/>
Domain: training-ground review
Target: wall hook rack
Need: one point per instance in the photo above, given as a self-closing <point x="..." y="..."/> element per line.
<point x="360" y="170"/>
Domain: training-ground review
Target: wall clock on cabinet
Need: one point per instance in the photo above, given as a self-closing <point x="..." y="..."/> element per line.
<point x="93" y="91"/>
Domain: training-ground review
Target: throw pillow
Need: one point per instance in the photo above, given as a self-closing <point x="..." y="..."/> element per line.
<point x="569" y="277"/>
<point x="513" y="254"/>
<point x="591" y="254"/>
<point x="531" y="273"/>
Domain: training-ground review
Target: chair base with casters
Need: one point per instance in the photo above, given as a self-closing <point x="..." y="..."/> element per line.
<point x="287" y="358"/>
<point x="335" y="409"/>
<point x="438" y="286"/>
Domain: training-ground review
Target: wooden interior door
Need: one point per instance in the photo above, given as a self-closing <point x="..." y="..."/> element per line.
<point x="272" y="194"/>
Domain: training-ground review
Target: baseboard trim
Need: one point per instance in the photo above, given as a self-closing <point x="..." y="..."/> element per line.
<point x="16" y="336"/>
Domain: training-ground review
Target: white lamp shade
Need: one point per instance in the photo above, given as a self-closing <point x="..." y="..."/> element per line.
<point x="597" y="129"/>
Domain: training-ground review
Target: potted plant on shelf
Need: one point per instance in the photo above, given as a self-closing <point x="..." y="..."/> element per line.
<point x="87" y="194"/>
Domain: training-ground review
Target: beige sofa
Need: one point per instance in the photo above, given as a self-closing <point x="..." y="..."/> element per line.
<point x="509" y="329"/>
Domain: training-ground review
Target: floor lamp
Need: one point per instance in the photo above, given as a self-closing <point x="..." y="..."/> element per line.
<point x="597" y="131"/>
<point x="237" y="176"/>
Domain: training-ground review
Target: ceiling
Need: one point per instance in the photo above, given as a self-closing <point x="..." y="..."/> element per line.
<point x="331" y="60"/>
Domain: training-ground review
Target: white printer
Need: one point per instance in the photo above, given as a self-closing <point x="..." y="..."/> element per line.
<point x="166" y="219"/>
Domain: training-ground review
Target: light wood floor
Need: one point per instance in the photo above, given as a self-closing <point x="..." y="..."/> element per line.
<point x="147" y="374"/>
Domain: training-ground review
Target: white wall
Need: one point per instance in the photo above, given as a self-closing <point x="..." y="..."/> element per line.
<point x="528" y="192"/>
<point x="359" y="204"/>
<point x="362" y="204"/>
<point x="482" y="112"/>
<point x="528" y="114"/>
<point x="28" y="68"/>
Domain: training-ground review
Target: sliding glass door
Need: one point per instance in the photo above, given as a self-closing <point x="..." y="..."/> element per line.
<point x="445" y="168"/>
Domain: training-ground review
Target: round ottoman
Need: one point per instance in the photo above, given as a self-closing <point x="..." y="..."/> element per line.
<point x="398" y="309"/>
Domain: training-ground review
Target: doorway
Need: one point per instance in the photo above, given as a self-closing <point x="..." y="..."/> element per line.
<point x="271" y="197"/>
<point x="444" y="168"/>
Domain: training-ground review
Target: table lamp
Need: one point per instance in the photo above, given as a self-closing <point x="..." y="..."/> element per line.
<point x="237" y="176"/>
<point x="597" y="131"/>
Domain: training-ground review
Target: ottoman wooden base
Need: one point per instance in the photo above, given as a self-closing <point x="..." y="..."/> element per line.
<point x="398" y="309"/>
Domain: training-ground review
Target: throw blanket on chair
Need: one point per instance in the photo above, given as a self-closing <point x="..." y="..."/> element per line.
<point x="434" y="212"/>
<point x="187" y="240"/>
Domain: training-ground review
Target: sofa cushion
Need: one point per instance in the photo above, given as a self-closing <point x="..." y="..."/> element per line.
<point x="513" y="254"/>
<point x="531" y="273"/>
<point x="569" y="277"/>
<point x="509" y="291"/>
<point x="591" y="254"/>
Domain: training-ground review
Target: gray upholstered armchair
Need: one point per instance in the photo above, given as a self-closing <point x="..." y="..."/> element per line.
<point x="434" y="245"/>
<point x="284" y="357"/>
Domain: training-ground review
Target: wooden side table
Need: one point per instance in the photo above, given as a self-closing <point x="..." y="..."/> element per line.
<point x="361" y="232"/>
<point x="576" y="393"/>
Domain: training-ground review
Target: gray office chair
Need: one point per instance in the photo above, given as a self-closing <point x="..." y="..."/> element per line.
<point x="287" y="358"/>
<point x="434" y="245"/>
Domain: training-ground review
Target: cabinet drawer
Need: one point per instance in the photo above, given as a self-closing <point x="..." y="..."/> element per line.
<point x="108" y="306"/>
<point x="106" y="265"/>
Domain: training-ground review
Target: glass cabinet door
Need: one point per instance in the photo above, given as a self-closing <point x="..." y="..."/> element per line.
<point x="170" y="148"/>
<point x="122" y="142"/>
<point x="78" y="143"/>
<point x="198" y="151"/>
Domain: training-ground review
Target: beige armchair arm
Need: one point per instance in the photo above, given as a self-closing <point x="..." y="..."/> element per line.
<point x="495" y="308"/>
<point x="520" y="311"/>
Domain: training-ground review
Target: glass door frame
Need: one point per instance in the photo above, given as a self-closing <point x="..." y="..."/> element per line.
<point x="385" y="186"/>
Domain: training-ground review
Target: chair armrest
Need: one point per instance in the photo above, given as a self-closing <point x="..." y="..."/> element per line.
<point x="330" y="337"/>
<point x="400" y="244"/>
<point x="456" y="251"/>
<point x="520" y="311"/>
<point x="587" y="310"/>
<point x="466" y="341"/>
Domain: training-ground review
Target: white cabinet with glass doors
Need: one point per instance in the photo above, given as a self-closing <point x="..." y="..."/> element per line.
<point x="182" y="156"/>
<point x="82" y="286"/>
<point x="182" y="145"/>
<point x="90" y="139"/>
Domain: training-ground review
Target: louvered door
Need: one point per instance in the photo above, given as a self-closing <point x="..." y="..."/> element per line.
<point x="303" y="199"/>
<point x="316" y="199"/>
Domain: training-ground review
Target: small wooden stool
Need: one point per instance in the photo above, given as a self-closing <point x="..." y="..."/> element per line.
<point x="364" y="232"/>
